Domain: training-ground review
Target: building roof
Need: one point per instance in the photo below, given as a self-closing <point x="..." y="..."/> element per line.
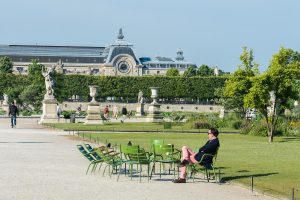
<point x="43" y="50"/>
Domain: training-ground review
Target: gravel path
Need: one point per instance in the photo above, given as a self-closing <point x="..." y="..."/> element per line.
<point x="39" y="163"/>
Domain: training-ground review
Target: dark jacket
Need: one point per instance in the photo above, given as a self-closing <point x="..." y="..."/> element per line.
<point x="124" y="111"/>
<point x="210" y="147"/>
<point x="13" y="110"/>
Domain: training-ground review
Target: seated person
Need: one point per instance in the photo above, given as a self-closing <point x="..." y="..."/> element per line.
<point x="188" y="156"/>
<point x="105" y="112"/>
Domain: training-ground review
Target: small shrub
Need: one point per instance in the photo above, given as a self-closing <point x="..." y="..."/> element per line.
<point x="26" y="112"/>
<point x="255" y="128"/>
<point x="167" y="125"/>
<point x="2" y="112"/>
<point x="82" y="113"/>
<point x="202" y="125"/>
<point x="67" y="114"/>
<point x="237" y="124"/>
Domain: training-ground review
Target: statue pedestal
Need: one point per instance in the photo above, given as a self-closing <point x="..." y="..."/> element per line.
<point x="49" y="111"/>
<point x="154" y="114"/>
<point x="140" y="109"/>
<point x="93" y="114"/>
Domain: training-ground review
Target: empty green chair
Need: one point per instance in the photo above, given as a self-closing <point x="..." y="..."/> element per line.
<point x="137" y="156"/>
<point x="90" y="149"/>
<point x="166" y="154"/>
<point x="91" y="156"/>
<point x="112" y="160"/>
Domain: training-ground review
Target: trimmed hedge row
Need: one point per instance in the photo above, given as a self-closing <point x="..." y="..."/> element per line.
<point x="126" y="87"/>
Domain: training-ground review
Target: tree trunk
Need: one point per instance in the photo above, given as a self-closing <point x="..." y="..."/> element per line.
<point x="271" y="137"/>
<point x="271" y="133"/>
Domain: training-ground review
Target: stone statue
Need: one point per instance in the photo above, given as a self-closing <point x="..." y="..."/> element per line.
<point x="120" y="36"/>
<point x="5" y="100"/>
<point x="48" y="81"/>
<point x="140" y="97"/>
<point x="59" y="67"/>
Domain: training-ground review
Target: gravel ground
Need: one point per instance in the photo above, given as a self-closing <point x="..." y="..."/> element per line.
<point x="39" y="163"/>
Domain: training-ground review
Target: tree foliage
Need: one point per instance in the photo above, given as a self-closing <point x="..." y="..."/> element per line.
<point x="279" y="79"/>
<point x="189" y="72"/>
<point x="172" y="72"/>
<point x="6" y="65"/>
<point x="240" y="82"/>
<point x="205" y="70"/>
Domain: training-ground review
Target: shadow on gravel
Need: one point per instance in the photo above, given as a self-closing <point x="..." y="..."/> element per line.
<point x="23" y="142"/>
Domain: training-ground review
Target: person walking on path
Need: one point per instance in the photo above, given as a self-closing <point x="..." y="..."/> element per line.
<point x="13" y="112"/>
<point x="124" y="113"/>
<point x="188" y="156"/>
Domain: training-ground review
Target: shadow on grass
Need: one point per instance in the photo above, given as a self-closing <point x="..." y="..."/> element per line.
<point x="230" y="178"/>
<point x="289" y="139"/>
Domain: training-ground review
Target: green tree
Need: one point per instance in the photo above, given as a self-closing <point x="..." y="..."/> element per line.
<point x="239" y="83"/>
<point x="189" y="72"/>
<point x="205" y="70"/>
<point x="172" y="72"/>
<point x="279" y="81"/>
<point x="31" y="95"/>
<point x="35" y="70"/>
<point x="6" y="65"/>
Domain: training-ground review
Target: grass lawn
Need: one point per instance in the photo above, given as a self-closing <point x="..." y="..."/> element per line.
<point x="275" y="167"/>
<point x="142" y="126"/>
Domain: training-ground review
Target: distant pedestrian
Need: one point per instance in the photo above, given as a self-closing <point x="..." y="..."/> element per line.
<point x="58" y="111"/>
<point x="106" y="112"/>
<point x="124" y="113"/>
<point x="13" y="112"/>
<point x="115" y="112"/>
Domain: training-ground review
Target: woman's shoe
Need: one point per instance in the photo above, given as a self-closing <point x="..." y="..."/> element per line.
<point x="180" y="180"/>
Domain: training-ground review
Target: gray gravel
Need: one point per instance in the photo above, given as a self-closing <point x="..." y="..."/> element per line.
<point x="39" y="163"/>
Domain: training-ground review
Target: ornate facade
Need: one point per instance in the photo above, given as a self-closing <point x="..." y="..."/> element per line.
<point x="117" y="59"/>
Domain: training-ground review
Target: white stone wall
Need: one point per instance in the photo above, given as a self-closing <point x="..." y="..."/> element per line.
<point x="132" y="107"/>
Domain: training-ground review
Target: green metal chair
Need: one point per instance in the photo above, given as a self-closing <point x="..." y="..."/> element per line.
<point x="112" y="160"/>
<point x="166" y="154"/>
<point x="206" y="168"/>
<point x="136" y="156"/>
<point x="90" y="149"/>
<point x="125" y="150"/>
<point x="93" y="157"/>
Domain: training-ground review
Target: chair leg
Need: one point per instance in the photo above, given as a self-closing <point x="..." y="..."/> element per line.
<point x="104" y="170"/>
<point x="130" y="166"/>
<point x="94" y="168"/>
<point x="160" y="170"/>
<point x="148" y="167"/>
<point x="207" y="175"/>
<point x="140" y="173"/>
<point x="119" y="172"/>
<point x="153" y="168"/>
<point x="100" y="166"/>
<point x="88" y="167"/>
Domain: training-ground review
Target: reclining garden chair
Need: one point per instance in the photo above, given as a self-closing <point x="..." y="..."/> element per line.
<point x="110" y="158"/>
<point x="93" y="157"/>
<point x="206" y="168"/>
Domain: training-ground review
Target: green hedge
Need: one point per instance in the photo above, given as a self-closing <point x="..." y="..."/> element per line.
<point x="126" y="87"/>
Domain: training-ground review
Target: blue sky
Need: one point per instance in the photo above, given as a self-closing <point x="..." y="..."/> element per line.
<point x="210" y="32"/>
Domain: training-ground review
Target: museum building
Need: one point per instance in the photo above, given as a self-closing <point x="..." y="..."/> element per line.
<point x="117" y="59"/>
